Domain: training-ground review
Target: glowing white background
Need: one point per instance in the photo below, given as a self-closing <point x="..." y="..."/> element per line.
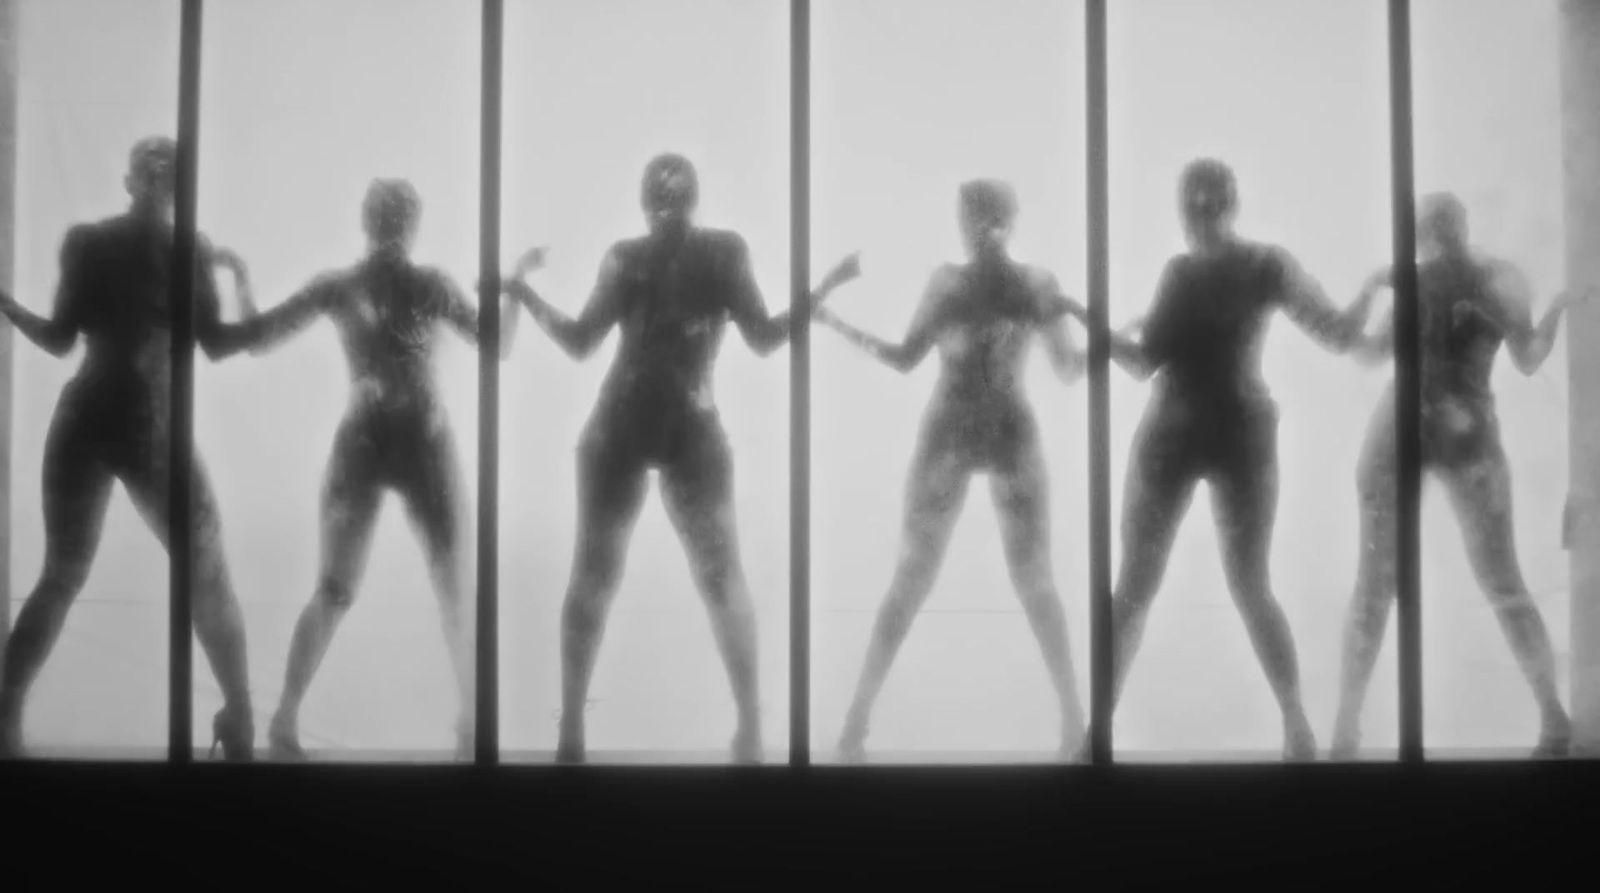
<point x="593" y="91"/>
<point x="304" y="102"/>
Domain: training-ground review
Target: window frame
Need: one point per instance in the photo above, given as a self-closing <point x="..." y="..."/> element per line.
<point x="1406" y="366"/>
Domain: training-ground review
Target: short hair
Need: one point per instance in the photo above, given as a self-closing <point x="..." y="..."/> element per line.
<point x="1208" y="188"/>
<point x="989" y="202"/>
<point x="670" y="181"/>
<point x="391" y="209"/>
<point x="151" y="150"/>
<point x="1443" y="214"/>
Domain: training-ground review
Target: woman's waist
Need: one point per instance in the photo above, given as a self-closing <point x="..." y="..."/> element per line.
<point x="398" y="399"/>
<point x="672" y="387"/>
<point x="1244" y="395"/>
<point x="957" y="405"/>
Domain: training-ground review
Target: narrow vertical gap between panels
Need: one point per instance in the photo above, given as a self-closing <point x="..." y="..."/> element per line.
<point x="10" y="42"/>
<point x="1100" y="666"/>
<point x="1408" y="384"/>
<point x="799" y="384"/>
<point x="180" y="677"/>
<point x="487" y="688"/>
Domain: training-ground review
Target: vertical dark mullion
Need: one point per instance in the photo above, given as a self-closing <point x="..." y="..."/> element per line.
<point x="799" y="384"/>
<point x="180" y="677"/>
<point x="487" y="687"/>
<point x="1408" y="384"/>
<point x="10" y="44"/>
<point x="1099" y="223"/>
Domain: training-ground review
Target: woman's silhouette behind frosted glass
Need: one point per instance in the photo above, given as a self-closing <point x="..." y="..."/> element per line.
<point x="671" y="293"/>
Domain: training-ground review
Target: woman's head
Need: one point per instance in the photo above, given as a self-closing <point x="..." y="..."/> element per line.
<point x="1208" y="199"/>
<point x="670" y="190"/>
<point x="390" y="212"/>
<point x="1441" y="224"/>
<point x="987" y="209"/>
<point x="152" y="172"/>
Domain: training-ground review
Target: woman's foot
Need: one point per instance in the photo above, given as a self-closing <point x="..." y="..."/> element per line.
<point x="1074" y="751"/>
<point x="11" y="741"/>
<point x="10" y="726"/>
<point x="1346" y="739"/>
<point x="746" y="747"/>
<point x="283" y="739"/>
<point x="569" y="741"/>
<point x="1555" y="740"/>
<point x="234" y="730"/>
<point x="1074" y="741"/>
<point x="1299" y="743"/>
<point x="570" y="753"/>
<point x="853" y="743"/>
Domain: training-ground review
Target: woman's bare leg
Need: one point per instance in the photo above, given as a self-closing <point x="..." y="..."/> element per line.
<point x="77" y="490"/>
<point x="1156" y="495"/>
<point x="437" y="507"/>
<point x="1022" y="503"/>
<point x="936" y="489"/>
<point x="699" y="502"/>
<point x="1480" y="492"/>
<point x="218" y="620"/>
<point x="1245" y="501"/>
<point x="610" y="495"/>
<point x="351" y="497"/>
<point x="1376" y="580"/>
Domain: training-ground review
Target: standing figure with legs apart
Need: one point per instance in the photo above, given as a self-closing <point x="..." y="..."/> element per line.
<point x="395" y="436"/>
<point x="1469" y="304"/>
<point x="1212" y="418"/>
<point x="113" y="423"/>
<point x="983" y="316"/>
<point x="672" y="293"/>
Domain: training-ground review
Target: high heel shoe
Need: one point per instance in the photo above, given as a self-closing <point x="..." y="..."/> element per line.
<point x="235" y="733"/>
<point x="283" y="742"/>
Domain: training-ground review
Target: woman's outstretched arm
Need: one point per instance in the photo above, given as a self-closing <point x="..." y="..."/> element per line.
<point x="578" y="337"/>
<point x="57" y="334"/>
<point x="1375" y="347"/>
<point x="1126" y="350"/>
<point x="763" y="332"/>
<point x="465" y="319"/>
<point x="259" y="332"/>
<point x="924" y="329"/>
<point x="1066" y="359"/>
<point x="1510" y="300"/>
<point x="1305" y="301"/>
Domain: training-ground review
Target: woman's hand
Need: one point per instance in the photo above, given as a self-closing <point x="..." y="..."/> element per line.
<point x="228" y="259"/>
<point x="1572" y="297"/>
<point x="844" y="271"/>
<point x="531" y="261"/>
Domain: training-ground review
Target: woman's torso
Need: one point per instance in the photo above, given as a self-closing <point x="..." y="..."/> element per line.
<point x="390" y="318"/>
<point x="988" y="323"/>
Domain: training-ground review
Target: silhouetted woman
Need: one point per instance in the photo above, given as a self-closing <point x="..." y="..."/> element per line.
<point x="113" y="424"/>
<point x="395" y="436"/>
<point x="1212" y="418"/>
<point x="672" y="293"/>
<point x="983" y="316"/>
<point x="1469" y="305"/>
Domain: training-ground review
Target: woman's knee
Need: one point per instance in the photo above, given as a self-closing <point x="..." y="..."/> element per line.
<point x="1509" y="597"/>
<point x="62" y="580"/>
<point x="720" y="579"/>
<point x="595" y="578"/>
<point x="335" y="592"/>
<point x="921" y="554"/>
<point x="1031" y="571"/>
<point x="1037" y="592"/>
